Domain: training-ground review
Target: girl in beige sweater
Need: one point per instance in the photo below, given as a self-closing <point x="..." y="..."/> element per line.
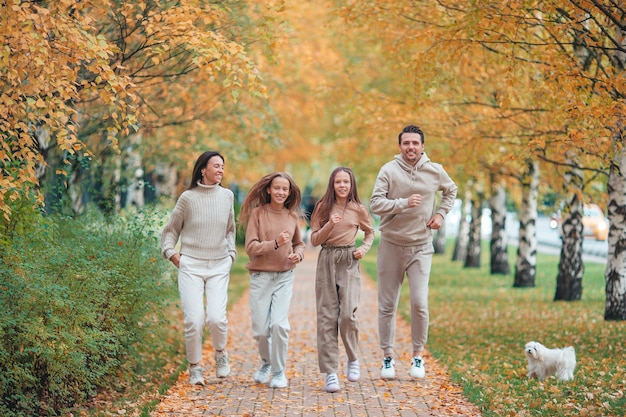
<point x="336" y="219"/>
<point x="270" y="214"/>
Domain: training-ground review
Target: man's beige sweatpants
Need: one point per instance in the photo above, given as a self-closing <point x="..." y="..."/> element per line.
<point x="392" y="263"/>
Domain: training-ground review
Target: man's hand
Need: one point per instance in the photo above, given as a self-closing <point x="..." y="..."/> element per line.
<point x="415" y="200"/>
<point x="435" y="222"/>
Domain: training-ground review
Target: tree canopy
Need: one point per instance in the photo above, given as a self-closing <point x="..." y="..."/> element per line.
<point x="294" y="86"/>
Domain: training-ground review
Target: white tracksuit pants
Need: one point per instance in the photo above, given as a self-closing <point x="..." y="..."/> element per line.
<point x="197" y="279"/>
<point x="270" y="297"/>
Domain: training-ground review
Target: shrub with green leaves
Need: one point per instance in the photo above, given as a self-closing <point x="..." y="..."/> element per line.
<point x="76" y="299"/>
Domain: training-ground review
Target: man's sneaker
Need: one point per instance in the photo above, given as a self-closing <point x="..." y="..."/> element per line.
<point x="195" y="375"/>
<point x="354" y="372"/>
<point x="388" y="370"/>
<point x="262" y="375"/>
<point x="221" y="361"/>
<point x="279" y="380"/>
<point x="332" y="383"/>
<point x="417" y="367"/>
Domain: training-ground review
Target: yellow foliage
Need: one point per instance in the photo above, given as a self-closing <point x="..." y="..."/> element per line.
<point x="66" y="67"/>
<point x="309" y="85"/>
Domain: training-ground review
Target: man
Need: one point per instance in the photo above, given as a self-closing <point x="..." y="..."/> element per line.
<point x="404" y="198"/>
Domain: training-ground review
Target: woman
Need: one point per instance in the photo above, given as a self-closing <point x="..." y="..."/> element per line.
<point x="204" y="220"/>
<point x="336" y="219"/>
<point x="270" y="214"/>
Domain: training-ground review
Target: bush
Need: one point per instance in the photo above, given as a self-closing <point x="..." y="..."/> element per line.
<point x="76" y="299"/>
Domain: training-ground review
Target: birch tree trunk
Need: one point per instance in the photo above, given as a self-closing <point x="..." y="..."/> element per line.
<point x="498" y="244"/>
<point x="165" y="179"/>
<point x="615" y="274"/>
<point x="134" y="166"/>
<point x="569" y="281"/>
<point x="440" y="239"/>
<point x="526" y="263"/>
<point x="472" y="258"/>
<point x="462" y="237"/>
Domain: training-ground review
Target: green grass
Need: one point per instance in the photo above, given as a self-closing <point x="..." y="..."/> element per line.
<point x="479" y="325"/>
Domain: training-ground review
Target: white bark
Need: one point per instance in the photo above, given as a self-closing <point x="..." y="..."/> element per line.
<point x="569" y="281"/>
<point x="462" y="237"/>
<point x="526" y="263"/>
<point x="472" y="257"/>
<point x="498" y="244"/>
<point x="615" y="274"/>
<point x="134" y="166"/>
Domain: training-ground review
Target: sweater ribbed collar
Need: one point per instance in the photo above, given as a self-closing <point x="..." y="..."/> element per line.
<point x="207" y="188"/>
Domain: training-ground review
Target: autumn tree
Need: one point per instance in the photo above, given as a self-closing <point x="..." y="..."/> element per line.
<point x="553" y="81"/>
<point x="46" y="54"/>
<point x="83" y="81"/>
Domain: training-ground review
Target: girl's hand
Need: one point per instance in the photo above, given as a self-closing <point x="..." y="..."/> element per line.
<point x="358" y="254"/>
<point x="335" y="218"/>
<point x="283" y="238"/>
<point x="294" y="258"/>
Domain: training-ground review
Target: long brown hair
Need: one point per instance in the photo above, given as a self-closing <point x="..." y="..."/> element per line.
<point x="258" y="196"/>
<point x="200" y="164"/>
<point x="325" y="205"/>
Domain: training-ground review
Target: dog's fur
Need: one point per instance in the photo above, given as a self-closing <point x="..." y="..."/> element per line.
<point x="543" y="362"/>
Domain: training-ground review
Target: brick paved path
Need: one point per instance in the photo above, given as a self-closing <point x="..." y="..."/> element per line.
<point x="239" y="395"/>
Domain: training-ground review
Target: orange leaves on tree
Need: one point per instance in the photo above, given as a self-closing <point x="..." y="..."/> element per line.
<point x="91" y="73"/>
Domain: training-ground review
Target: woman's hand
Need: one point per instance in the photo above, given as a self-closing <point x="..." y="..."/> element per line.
<point x="175" y="259"/>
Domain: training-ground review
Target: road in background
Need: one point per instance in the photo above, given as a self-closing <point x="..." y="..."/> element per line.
<point x="548" y="239"/>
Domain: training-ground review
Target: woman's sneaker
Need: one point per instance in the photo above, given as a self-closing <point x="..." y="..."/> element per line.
<point x="262" y="375"/>
<point x="279" y="380"/>
<point x="354" y="372"/>
<point x="388" y="370"/>
<point x="417" y="367"/>
<point x="332" y="383"/>
<point x="221" y="362"/>
<point x="195" y="375"/>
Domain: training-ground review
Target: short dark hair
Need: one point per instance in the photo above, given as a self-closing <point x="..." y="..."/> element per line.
<point x="411" y="129"/>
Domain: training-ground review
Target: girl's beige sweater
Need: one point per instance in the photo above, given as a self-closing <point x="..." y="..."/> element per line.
<point x="264" y="226"/>
<point x="354" y="216"/>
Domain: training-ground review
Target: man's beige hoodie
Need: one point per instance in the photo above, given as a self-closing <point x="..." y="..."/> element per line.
<point x="396" y="181"/>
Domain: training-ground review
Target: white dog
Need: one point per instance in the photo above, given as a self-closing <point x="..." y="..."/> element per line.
<point x="543" y="362"/>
